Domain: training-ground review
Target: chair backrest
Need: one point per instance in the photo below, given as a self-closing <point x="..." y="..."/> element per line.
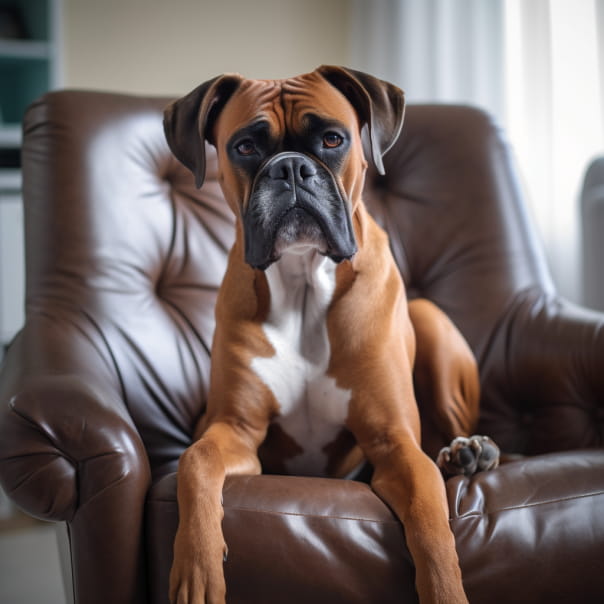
<point x="124" y="255"/>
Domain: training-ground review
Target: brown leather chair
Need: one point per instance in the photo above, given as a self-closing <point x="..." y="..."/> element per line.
<point x="100" y="390"/>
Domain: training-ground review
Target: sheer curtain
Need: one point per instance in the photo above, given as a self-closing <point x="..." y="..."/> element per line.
<point x="536" y="65"/>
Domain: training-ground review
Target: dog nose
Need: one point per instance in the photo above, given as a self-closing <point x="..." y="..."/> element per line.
<point x="296" y="168"/>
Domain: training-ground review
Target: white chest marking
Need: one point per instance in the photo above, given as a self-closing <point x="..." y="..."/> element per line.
<point x="313" y="408"/>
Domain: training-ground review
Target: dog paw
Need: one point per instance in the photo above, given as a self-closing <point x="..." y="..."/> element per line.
<point x="196" y="576"/>
<point x="466" y="456"/>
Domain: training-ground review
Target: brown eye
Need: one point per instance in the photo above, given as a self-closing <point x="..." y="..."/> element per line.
<point x="331" y="140"/>
<point x="246" y="147"/>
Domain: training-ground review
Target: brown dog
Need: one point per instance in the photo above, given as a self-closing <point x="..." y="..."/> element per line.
<point x="314" y="336"/>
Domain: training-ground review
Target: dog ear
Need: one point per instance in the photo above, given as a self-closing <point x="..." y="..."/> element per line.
<point x="189" y="121"/>
<point x="380" y="105"/>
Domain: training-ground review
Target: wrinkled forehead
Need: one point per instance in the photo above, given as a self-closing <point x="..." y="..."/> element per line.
<point x="285" y="104"/>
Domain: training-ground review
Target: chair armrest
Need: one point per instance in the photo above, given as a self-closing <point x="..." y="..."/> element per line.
<point x="530" y="531"/>
<point x="65" y="433"/>
<point x="552" y="374"/>
<point x="63" y="441"/>
<point x="69" y="451"/>
<point x="317" y="539"/>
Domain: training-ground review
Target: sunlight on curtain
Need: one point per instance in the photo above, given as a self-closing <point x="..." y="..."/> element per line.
<point x="535" y="65"/>
<point x="553" y="116"/>
<point x="436" y="50"/>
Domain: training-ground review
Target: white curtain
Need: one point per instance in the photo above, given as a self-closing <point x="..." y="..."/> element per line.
<point x="536" y="65"/>
<point x="436" y="50"/>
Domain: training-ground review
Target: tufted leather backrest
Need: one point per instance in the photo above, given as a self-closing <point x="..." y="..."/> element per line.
<point x="128" y="256"/>
<point x="125" y="255"/>
<point x="456" y="220"/>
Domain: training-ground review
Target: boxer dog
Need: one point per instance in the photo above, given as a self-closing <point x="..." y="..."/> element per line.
<point x="315" y="344"/>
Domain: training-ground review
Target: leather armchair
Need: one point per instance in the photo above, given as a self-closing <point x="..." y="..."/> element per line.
<point x="100" y="390"/>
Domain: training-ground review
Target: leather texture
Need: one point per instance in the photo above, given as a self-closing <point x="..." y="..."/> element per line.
<point x="100" y="391"/>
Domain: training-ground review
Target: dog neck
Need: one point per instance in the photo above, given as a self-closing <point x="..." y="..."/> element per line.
<point x="301" y="285"/>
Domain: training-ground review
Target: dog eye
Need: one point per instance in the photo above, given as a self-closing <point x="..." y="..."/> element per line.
<point x="331" y="140"/>
<point x="246" y="147"/>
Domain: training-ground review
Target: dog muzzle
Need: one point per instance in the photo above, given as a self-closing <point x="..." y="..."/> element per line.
<point x="295" y="204"/>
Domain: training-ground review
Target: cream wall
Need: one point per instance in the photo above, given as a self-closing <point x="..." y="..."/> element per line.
<point x="170" y="46"/>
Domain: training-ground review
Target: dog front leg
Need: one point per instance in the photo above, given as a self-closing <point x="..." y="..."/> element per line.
<point x="197" y="575"/>
<point x="411" y="484"/>
<point x="388" y="432"/>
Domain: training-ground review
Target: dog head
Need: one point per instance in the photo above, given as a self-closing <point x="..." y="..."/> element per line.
<point x="290" y="153"/>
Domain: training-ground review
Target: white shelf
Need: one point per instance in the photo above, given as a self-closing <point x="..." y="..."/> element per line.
<point x="12" y="268"/>
<point x="10" y="135"/>
<point x="10" y="180"/>
<point x="24" y="49"/>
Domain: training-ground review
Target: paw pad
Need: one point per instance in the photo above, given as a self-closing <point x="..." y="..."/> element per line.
<point x="466" y="456"/>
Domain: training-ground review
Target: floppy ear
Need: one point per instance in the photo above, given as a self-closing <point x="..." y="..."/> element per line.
<point x="380" y="105"/>
<point x="188" y="122"/>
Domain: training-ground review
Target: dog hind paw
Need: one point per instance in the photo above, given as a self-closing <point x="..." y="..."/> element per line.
<point x="467" y="456"/>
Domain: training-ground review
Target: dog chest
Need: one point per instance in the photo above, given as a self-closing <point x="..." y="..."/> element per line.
<point x="312" y="407"/>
